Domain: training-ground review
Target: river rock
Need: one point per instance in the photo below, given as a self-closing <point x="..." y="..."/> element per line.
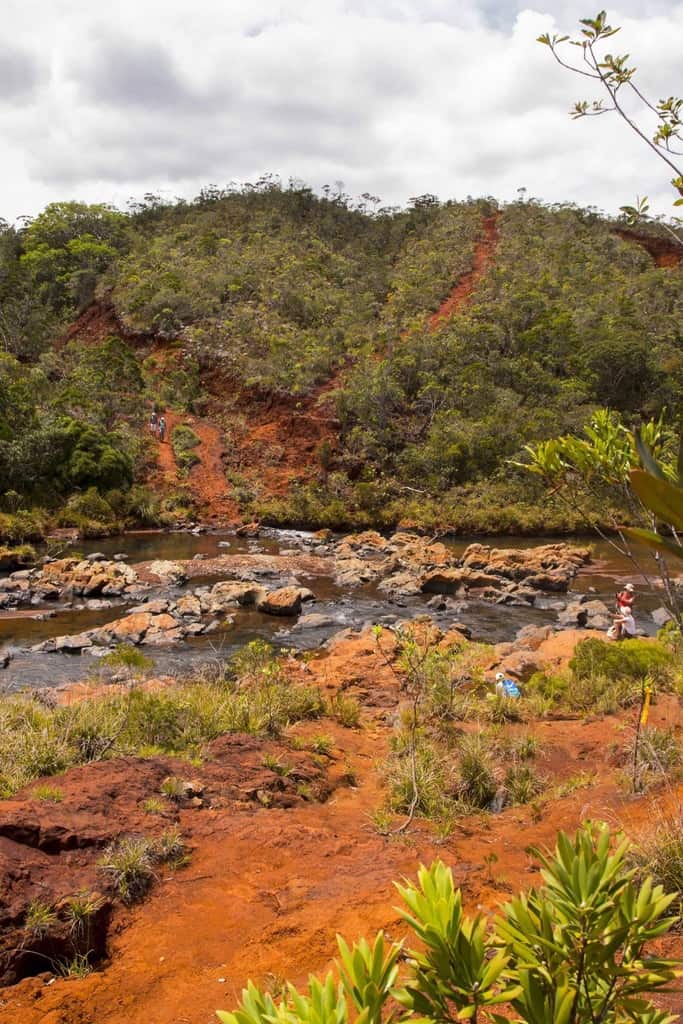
<point x="168" y="572"/>
<point x="248" y="530"/>
<point x="315" y="620"/>
<point x="155" y="607"/>
<point x="78" y="642"/>
<point x="97" y="556"/>
<point x="5" y="658"/>
<point x="660" y="617"/>
<point x="228" y="593"/>
<point x="130" y="629"/>
<point x="189" y="606"/>
<point x="450" y="581"/>
<point x="586" y="614"/>
<point x="285" y="601"/>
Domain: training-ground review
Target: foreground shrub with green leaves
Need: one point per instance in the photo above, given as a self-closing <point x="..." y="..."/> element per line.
<point x="571" y="952"/>
<point x="630" y="659"/>
<point x="253" y="696"/>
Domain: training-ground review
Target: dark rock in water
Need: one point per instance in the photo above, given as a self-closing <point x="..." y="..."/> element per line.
<point x="120" y="556"/>
<point x="660" y="617"/>
<point x="5" y="658"/>
<point x="462" y="628"/>
<point x="223" y="543"/>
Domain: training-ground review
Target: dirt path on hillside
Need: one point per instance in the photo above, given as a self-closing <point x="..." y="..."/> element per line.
<point x="207" y="478"/>
<point x="483" y="255"/>
<point x="266" y="890"/>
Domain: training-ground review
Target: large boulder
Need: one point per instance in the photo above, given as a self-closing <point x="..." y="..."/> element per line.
<point x="167" y="572"/>
<point x="451" y="581"/>
<point x="285" y="601"/>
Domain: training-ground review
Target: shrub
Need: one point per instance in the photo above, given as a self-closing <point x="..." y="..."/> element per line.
<point x="658" y="852"/>
<point x="476" y="768"/>
<point x="130" y="865"/>
<point x="629" y="659"/>
<point x="544" y="959"/>
<point x="184" y="441"/>
<point x="522" y="783"/>
<point x="345" y="710"/>
<point x="659" y="753"/>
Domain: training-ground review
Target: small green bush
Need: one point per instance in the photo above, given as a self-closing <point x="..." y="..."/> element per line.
<point x="629" y="659"/>
<point x="476" y="767"/>
<point x="184" y="441"/>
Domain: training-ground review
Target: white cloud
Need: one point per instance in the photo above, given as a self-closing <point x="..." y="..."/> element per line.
<point x="395" y="97"/>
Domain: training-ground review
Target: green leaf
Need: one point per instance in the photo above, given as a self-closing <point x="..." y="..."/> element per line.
<point x="654" y="541"/>
<point x="660" y="497"/>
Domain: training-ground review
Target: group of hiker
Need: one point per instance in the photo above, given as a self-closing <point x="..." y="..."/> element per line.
<point x="157" y="426"/>
<point x="624" y="625"/>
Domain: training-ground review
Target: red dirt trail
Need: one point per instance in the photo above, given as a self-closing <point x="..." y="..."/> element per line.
<point x="267" y="889"/>
<point x="483" y="255"/>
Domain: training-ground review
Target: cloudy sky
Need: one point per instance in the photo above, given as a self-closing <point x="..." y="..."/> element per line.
<point x="102" y="101"/>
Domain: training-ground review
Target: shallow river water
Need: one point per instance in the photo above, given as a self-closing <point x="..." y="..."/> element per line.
<point x="347" y="607"/>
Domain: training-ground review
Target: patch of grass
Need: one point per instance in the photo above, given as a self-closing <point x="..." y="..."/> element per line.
<point x="183" y="442"/>
<point x="345" y="710"/>
<point x="39" y="919"/>
<point x="322" y="744"/>
<point x="581" y="780"/>
<point x="170" y="848"/>
<point x="476" y="768"/>
<point x="659" y="755"/>
<point x="153" y="806"/>
<point x="50" y="794"/>
<point x="78" y="967"/>
<point x="80" y="910"/>
<point x="523" y="783"/>
<point x="273" y="764"/>
<point x="254" y="696"/>
<point x="658" y="852"/>
<point x="130" y="865"/>
<point x="173" y="788"/>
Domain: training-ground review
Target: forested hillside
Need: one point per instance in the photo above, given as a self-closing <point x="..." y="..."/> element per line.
<point x="300" y="330"/>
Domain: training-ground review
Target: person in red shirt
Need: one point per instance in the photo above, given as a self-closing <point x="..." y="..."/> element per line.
<point x="625" y="599"/>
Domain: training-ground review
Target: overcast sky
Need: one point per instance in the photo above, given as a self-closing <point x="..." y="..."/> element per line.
<point x="102" y="101"/>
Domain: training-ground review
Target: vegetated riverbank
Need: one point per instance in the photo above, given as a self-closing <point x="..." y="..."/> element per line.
<point x="289" y="834"/>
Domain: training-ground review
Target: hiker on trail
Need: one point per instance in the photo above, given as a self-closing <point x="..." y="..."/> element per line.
<point x="506" y="687"/>
<point x="153" y="422"/>
<point x="162" y="428"/>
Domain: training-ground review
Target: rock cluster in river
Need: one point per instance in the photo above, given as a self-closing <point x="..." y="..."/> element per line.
<point x="66" y="578"/>
<point x="407" y="564"/>
<point x="164" y="621"/>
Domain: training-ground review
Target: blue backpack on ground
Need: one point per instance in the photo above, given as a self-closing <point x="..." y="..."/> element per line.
<point x="511" y="689"/>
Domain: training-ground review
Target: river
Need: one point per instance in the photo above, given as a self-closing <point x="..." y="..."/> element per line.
<point x="350" y="608"/>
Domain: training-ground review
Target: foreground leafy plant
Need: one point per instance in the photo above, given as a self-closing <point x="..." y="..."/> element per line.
<point x="571" y="952"/>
